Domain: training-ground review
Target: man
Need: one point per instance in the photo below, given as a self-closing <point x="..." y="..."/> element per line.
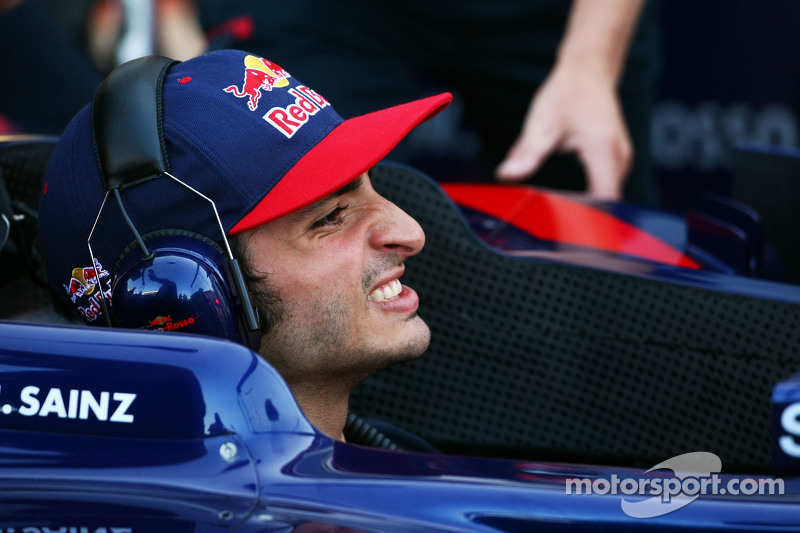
<point x="345" y="315"/>
<point x="288" y="177"/>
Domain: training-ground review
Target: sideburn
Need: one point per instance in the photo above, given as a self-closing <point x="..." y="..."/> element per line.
<point x="264" y="297"/>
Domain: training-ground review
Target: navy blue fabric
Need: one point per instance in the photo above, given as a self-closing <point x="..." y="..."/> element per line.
<point x="215" y="143"/>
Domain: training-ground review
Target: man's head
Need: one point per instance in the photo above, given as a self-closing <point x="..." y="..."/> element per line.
<point x="328" y="283"/>
<point x="289" y="179"/>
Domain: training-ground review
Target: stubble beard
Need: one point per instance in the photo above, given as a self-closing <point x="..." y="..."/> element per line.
<point x="309" y="343"/>
<point x="315" y="347"/>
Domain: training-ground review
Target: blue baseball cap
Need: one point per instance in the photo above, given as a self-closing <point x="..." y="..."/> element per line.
<point x="239" y="129"/>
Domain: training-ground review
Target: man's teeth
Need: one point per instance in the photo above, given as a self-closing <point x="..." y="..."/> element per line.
<point x="386" y="292"/>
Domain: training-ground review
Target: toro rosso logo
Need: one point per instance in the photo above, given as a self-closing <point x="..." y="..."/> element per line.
<point x="165" y="323"/>
<point x="259" y="74"/>
<point x="264" y="75"/>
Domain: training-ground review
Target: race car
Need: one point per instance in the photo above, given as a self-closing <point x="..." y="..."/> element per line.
<point x="593" y="366"/>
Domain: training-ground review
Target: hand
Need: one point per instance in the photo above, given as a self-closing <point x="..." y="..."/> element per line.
<point x="574" y="111"/>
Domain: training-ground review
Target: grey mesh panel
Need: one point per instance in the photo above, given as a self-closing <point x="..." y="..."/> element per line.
<point x="549" y="361"/>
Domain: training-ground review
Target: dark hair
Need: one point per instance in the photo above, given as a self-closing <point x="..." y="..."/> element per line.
<point x="264" y="297"/>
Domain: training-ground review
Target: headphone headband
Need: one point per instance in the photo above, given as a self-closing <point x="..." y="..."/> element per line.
<point x="132" y="149"/>
<point x="128" y="136"/>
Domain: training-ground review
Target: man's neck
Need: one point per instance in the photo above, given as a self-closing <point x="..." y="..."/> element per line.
<point x="325" y="408"/>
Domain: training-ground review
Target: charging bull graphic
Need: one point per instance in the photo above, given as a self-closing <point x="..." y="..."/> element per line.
<point x="84" y="280"/>
<point x="259" y="74"/>
<point x="160" y="321"/>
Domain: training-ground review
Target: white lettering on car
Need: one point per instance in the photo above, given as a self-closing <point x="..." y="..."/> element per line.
<point x="75" y="404"/>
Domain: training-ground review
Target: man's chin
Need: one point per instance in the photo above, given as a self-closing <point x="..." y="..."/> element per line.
<point x="416" y="340"/>
<point x="421" y="338"/>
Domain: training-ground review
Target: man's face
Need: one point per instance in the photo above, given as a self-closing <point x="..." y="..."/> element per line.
<point x="335" y="266"/>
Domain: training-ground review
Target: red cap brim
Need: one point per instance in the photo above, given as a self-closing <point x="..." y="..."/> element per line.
<point x="349" y="150"/>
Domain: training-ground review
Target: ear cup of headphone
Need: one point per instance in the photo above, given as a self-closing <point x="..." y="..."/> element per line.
<point x="183" y="287"/>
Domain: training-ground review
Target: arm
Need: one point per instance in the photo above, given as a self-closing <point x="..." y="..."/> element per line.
<point x="180" y="35"/>
<point x="577" y="109"/>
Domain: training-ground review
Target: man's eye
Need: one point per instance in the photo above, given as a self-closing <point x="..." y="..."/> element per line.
<point x="333" y="218"/>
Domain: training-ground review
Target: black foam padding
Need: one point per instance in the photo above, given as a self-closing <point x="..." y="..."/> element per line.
<point x="540" y="360"/>
<point x="24" y="161"/>
<point x="127" y="122"/>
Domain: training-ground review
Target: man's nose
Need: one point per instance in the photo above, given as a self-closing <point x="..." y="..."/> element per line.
<point x="396" y="231"/>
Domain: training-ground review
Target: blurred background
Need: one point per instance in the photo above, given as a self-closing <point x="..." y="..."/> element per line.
<point x="725" y="73"/>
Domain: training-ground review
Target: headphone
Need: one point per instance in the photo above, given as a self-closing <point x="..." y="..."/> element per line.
<point x="169" y="279"/>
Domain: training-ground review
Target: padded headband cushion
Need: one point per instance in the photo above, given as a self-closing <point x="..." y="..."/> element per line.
<point x="127" y="122"/>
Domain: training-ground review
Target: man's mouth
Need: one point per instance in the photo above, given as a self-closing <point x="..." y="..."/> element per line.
<point x="385" y="292"/>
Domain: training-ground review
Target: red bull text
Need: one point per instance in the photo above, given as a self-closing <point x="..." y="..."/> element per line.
<point x="94" y="309"/>
<point x="83" y="282"/>
<point x="291" y="118"/>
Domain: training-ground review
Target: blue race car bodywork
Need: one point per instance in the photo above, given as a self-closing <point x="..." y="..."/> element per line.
<point x="553" y="426"/>
<point x="146" y="432"/>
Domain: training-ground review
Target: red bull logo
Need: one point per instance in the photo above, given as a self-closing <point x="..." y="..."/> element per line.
<point x="94" y="308"/>
<point x="259" y="75"/>
<point x="75" y="289"/>
<point x="165" y="323"/>
<point x="291" y="118"/>
<point x="84" y="280"/>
